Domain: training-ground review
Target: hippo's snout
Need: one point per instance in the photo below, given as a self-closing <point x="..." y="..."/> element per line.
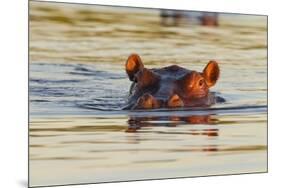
<point x="175" y="101"/>
<point x="147" y="101"/>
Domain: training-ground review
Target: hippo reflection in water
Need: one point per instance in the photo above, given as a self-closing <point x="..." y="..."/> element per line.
<point x="137" y="122"/>
<point x="170" y="87"/>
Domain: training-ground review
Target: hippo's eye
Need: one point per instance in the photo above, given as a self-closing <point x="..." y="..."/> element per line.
<point x="201" y="82"/>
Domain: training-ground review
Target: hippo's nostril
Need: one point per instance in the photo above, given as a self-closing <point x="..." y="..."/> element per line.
<point x="147" y="101"/>
<point x="175" y="101"/>
<point x="147" y="97"/>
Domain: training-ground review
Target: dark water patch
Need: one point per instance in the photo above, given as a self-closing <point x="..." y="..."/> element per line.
<point x="80" y="129"/>
<point x="240" y="150"/>
<point x="220" y="149"/>
<point x="83" y="69"/>
<point x="145" y="31"/>
<point x="47" y="9"/>
<point x="98" y="107"/>
<point x="40" y="100"/>
<point x="81" y="35"/>
<point x="94" y="142"/>
<point x="66" y="158"/>
<point x="235" y="27"/>
<point x="82" y="73"/>
<point x="53" y="67"/>
<point x="45" y="135"/>
<point x="50" y="93"/>
<point x="253" y="89"/>
<point x="155" y="161"/>
<point x="40" y="49"/>
<point x="101" y="105"/>
<point x="208" y="148"/>
<point x="61" y="19"/>
<point x="45" y="81"/>
<point x="122" y="150"/>
<point x="91" y="19"/>
<point x="253" y="47"/>
<point x="36" y="145"/>
<point x="85" y="12"/>
<point x="97" y="74"/>
<point x="51" y="121"/>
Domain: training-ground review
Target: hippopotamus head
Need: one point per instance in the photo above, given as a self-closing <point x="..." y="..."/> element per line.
<point x="171" y="86"/>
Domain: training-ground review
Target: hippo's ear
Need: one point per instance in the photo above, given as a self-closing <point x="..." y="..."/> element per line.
<point x="211" y="73"/>
<point x="133" y="65"/>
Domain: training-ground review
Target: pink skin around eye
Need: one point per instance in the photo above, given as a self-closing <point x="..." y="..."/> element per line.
<point x="197" y="87"/>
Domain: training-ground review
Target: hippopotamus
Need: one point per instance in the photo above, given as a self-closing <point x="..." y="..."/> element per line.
<point x="176" y="17"/>
<point x="170" y="87"/>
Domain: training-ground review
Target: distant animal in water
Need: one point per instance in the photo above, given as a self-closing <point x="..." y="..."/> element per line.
<point x="176" y="17"/>
<point x="170" y="87"/>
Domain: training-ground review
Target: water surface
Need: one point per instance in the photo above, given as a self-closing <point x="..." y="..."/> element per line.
<point x="77" y="86"/>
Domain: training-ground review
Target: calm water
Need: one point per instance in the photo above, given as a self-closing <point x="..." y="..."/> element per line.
<point x="78" y="132"/>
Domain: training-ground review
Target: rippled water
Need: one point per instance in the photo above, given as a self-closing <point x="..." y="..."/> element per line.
<point x="77" y="87"/>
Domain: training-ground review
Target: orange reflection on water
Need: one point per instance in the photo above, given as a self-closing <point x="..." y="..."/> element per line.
<point x="136" y="123"/>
